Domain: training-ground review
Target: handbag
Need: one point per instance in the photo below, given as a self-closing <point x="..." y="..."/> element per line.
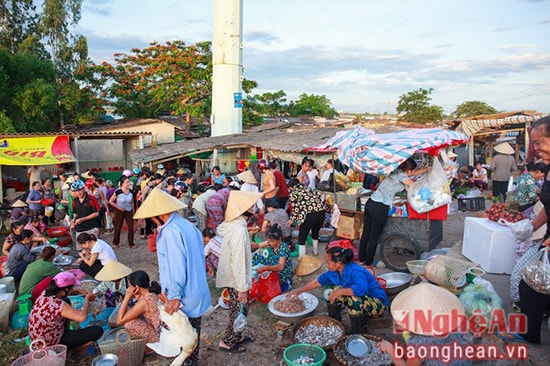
<point x="536" y="273"/>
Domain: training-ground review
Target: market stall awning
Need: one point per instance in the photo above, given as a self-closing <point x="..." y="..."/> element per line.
<point x="40" y="150"/>
<point x="472" y="126"/>
<point x="364" y="151"/>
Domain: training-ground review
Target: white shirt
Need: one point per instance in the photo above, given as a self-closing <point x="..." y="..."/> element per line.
<point x="312" y="174"/>
<point x="104" y="252"/>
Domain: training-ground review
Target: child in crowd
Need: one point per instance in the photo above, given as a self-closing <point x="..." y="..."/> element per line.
<point x="212" y="249"/>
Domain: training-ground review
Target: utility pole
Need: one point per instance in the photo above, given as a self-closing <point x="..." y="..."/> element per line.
<point x="227" y="62"/>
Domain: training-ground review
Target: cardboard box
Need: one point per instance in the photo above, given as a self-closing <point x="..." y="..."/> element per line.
<point x="350" y="226"/>
<point x="489" y="244"/>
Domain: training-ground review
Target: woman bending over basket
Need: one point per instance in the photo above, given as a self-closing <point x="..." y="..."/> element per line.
<point x="52" y="312"/>
<point x="142" y="319"/>
<point x="354" y="288"/>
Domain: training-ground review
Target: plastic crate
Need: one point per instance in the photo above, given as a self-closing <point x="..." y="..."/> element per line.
<point x="439" y="213"/>
<point x="471" y="204"/>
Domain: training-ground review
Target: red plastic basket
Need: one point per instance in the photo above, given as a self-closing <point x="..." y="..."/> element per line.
<point x="57" y="231"/>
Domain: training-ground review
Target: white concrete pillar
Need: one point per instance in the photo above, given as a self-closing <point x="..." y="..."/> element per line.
<point x="227" y="56"/>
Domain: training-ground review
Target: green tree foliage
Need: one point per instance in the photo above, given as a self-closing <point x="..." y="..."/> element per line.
<point x="6" y="125"/>
<point x="415" y="107"/>
<point x="171" y="76"/>
<point x="27" y="85"/>
<point x="272" y="104"/>
<point x="18" y="27"/>
<point x="312" y="105"/>
<point x="473" y="108"/>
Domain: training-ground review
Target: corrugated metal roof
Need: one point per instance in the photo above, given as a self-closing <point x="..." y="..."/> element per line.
<point x="72" y="134"/>
<point x="287" y="139"/>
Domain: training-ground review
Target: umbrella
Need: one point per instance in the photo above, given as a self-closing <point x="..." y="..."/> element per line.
<point x="363" y="150"/>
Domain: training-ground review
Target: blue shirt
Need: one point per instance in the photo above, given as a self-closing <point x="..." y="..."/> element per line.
<point x="389" y="187"/>
<point x="358" y="279"/>
<point x="180" y="253"/>
<point x="218" y="180"/>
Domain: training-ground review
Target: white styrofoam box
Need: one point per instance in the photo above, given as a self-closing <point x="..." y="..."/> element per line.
<point x="489" y="244"/>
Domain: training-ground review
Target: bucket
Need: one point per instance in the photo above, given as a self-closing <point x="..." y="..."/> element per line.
<point x="48" y="211"/>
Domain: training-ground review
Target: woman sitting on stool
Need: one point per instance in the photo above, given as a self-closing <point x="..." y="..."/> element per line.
<point x="95" y="254"/>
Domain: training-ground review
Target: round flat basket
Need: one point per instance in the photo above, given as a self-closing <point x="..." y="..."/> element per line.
<point x="304" y="354"/>
<point x="374" y="358"/>
<point x="322" y="331"/>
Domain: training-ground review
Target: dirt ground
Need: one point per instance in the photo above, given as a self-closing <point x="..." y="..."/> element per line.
<point x="268" y="348"/>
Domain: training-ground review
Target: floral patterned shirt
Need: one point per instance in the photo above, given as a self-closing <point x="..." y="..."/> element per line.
<point x="285" y="276"/>
<point x="45" y="320"/>
<point x="526" y="189"/>
<point x="304" y="202"/>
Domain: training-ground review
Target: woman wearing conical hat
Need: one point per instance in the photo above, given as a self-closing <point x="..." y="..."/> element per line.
<point x="502" y="166"/>
<point x="235" y="265"/>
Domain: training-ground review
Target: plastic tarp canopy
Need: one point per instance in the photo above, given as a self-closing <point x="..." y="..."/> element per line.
<point x="364" y="150"/>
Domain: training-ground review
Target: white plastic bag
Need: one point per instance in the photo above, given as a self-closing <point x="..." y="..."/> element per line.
<point x="511" y="186"/>
<point x="522" y="229"/>
<point x="430" y="191"/>
<point x="536" y="273"/>
<point x="108" y="222"/>
<point x="67" y="221"/>
<point x="240" y="322"/>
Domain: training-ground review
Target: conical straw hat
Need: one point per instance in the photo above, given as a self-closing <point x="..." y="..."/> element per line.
<point x="504" y="148"/>
<point x="19" y="203"/>
<point x="428" y="301"/>
<point x="247" y="177"/>
<point x="113" y="271"/>
<point x="158" y="203"/>
<point x="239" y="202"/>
<point x="308" y="264"/>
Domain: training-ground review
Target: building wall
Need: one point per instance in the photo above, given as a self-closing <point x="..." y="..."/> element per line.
<point x="162" y="133"/>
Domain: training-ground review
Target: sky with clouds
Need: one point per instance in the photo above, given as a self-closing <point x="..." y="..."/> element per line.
<point x="361" y="54"/>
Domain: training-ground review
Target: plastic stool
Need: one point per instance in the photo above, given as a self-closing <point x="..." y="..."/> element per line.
<point x="25" y="304"/>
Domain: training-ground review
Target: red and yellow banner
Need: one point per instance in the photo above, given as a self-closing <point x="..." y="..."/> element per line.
<point x="43" y="150"/>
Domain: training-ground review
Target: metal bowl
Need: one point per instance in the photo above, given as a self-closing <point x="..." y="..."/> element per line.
<point x="63" y="260"/>
<point x="325" y="234"/>
<point x="107" y="359"/>
<point x="310" y="302"/>
<point x="358" y="346"/>
<point x="396" y="282"/>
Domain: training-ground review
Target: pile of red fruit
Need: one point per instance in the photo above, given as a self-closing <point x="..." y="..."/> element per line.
<point x="502" y="211"/>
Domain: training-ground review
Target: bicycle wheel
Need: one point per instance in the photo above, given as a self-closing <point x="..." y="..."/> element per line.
<point x="397" y="249"/>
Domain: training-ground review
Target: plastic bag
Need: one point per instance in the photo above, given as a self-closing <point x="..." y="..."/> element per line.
<point x="266" y="287"/>
<point x="430" y="191"/>
<point x="109" y="222"/>
<point x="240" y="322"/>
<point x="522" y="229"/>
<point x="450" y="167"/>
<point x="481" y="295"/>
<point x="67" y="221"/>
<point x="536" y="273"/>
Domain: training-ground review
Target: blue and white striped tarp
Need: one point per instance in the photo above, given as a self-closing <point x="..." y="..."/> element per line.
<point x="363" y="150"/>
<point x="473" y="126"/>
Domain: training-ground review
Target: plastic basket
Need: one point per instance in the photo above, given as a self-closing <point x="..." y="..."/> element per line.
<point x="295" y="352"/>
<point x="40" y="354"/>
<point x="129" y="351"/>
<point x="471" y="204"/>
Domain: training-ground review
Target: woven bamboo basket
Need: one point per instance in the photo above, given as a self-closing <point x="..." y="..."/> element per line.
<point x="346" y="359"/>
<point x="449" y="273"/>
<point x="129" y="351"/>
<point x="320" y="321"/>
